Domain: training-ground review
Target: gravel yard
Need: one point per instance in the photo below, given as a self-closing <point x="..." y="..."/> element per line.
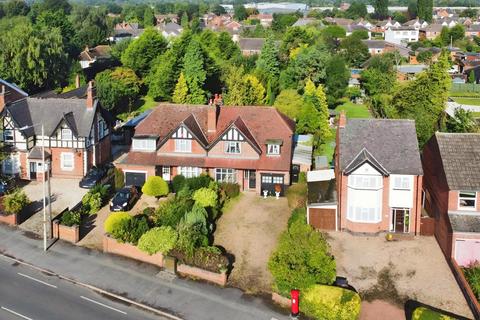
<point x="396" y="271"/>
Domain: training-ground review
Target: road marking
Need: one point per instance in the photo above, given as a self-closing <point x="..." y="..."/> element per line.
<point x="34" y="279"/>
<point x="103" y="305"/>
<point x="16" y="313"/>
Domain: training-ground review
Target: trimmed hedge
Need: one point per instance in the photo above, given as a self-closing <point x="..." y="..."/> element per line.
<point x="328" y="302"/>
<point x="155" y="186"/>
<point x="130" y="230"/>
<point x="205" y="197"/>
<point x="114" y="221"/>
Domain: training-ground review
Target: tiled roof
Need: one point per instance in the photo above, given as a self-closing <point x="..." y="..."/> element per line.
<point x="393" y="143"/>
<point x="99" y="52"/>
<point x="250" y="44"/>
<point x="464" y="222"/>
<point x="12" y="92"/>
<point x="460" y="153"/>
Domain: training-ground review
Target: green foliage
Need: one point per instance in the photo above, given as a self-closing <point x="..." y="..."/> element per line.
<point x="141" y="52"/>
<point x="90" y="24"/>
<point x="472" y="274"/>
<point x="337" y="80"/>
<point x="130" y="230"/>
<point x="155" y="186"/>
<point x="119" y="179"/>
<point x="206" y="257"/>
<point x="470" y="13"/>
<point x="178" y="182"/>
<point x="195" y="183"/>
<point x="205" y="197"/>
<point x="117" y="88"/>
<point x="293" y="39"/>
<point x="423" y="313"/>
<point x="218" y="10"/>
<point x="381" y="9"/>
<point x="232" y="190"/>
<point x="194" y="72"/>
<point x="15" y="201"/>
<point x="354" y="51"/>
<point x="297" y="195"/>
<point x="180" y="94"/>
<point x="93" y="200"/>
<point x="161" y="80"/>
<point x="314" y="115"/>
<point x="301" y="259"/>
<point x="114" y="220"/>
<point x="170" y="212"/>
<point x="471" y="77"/>
<point x="197" y="216"/>
<point x="268" y="64"/>
<point x="158" y="239"/>
<point x="380" y="76"/>
<point x="425" y="10"/>
<point x="71" y="218"/>
<point x="298" y="214"/>
<point x="242" y="89"/>
<point x="190" y="237"/>
<point x="239" y="13"/>
<point x="289" y="102"/>
<point x="328" y="302"/>
<point x="356" y="10"/>
<point x="463" y="121"/>
<point x="281" y="21"/>
<point x="332" y="35"/>
<point x="148" y="18"/>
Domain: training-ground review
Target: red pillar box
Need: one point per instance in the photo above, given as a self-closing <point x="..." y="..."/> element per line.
<point x="294" y="294"/>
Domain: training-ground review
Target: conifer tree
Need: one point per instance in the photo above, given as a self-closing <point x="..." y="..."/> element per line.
<point x="180" y="94"/>
<point x="194" y="72"/>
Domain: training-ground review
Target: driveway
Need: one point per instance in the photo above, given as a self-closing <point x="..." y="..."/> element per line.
<point x="389" y="273"/>
<point x="64" y="193"/>
<point x="250" y="230"/>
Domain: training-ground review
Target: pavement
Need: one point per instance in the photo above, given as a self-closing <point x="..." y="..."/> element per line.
<point x="29" y="294"/>
<point x="137" y="281"/>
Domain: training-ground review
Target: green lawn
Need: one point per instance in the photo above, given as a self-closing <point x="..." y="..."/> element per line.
<point x="427" y="314"/>
<point x="354" y="110"/>
<point x="470" y="101"/>
<point x="328" y="148"/>
<point x="143" y="104"/>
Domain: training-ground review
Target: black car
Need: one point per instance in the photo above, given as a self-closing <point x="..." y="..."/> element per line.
<point x="93" y="177"/>
<point x="124" y="199"/>
<point x="7" y="184"/>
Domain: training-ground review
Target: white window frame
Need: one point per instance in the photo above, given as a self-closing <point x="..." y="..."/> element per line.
<point x="365" y="183"/>
<point x="63" y="160"/>
<point x="102" y="128"/>
<point x="273" y="149"/>
<point x="144" y="144"/>
<point x="226" y="175"/>
<point x="470" y="208"/>
<point x="183" y="145"/>
<point x="402" y="183"/>
<point x="237" y="148"/>
<point x="189" y="172"/>
<point x="66" y="134"/>
<point x="5" y="135"/>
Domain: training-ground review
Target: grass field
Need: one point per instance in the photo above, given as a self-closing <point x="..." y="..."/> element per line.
<point x="469" y="101"/>
<point x="354" y="110"/>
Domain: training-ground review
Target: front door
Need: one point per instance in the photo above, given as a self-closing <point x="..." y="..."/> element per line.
<point x="166" y="173"/>
<point x="401" y="220"/>
<point x="33" y="170"/>
<point x="252" y="179"/>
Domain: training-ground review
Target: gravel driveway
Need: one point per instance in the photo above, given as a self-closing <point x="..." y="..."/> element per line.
<point x="396" y="271"/>
<point x="250" y="230"/>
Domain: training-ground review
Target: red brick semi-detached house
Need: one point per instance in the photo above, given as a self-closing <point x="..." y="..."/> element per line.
<point x="76" y="128"/>
<point x="379" y="176"/>
<point x="251" y="146"/>
<point x="451" y="162"/>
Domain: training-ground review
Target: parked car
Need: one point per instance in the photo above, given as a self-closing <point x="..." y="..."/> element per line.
<point x="96" y="175"/>
<point x="7" y="184"/>
<point x="124" y="199"/>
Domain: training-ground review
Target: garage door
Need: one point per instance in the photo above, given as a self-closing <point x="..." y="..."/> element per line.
<point x="135" y="178"/>
<point x="322" y="218"/>
<point x="269" y="180"/>
<point x="467" y="251"/>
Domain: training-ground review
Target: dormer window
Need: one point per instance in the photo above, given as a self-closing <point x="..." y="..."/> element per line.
<point x="66" y="134"/>
<point x="273" y="149"/>
<point x="232" y="147"/>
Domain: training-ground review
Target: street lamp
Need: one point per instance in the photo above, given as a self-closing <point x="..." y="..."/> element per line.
<point x="44" y="167"/>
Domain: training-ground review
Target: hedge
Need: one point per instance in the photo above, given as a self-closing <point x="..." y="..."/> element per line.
<point x="328" y="302"/>
<point x="159" y="239"/>
<point x="114" y="220"/>
<point x="15" y="201"/>
<point x="155" y="186"/>
<point x="232" y="190"/>
<point x="205" y="197"/>
<point x="130" y="230"/>
<point x="71" y="218"/>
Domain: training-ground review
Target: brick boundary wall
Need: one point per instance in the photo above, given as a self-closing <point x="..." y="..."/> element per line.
<point x="427" y="226"/>
<point x="70" y="234"/>
<point x="466" y="290"/>
<point x="10" y="219"/>
<point x="281" y="300"/>
<point x="110" y="245"/>
<point x="194" y="272"/>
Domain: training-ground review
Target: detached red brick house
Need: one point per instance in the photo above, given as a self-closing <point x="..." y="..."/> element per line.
<point x="251" y="146"/>
<point x="378" y="176"/>
<point x="77" y="133"/>
<point x="451" y="162"/>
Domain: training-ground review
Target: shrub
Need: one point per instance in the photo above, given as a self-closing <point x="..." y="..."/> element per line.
<point x="298" y="214"/>
<point x="197" y="216"/>
<point x="302" y="177"/>
<point x="178" y="182"/>
<point x="170" y="212"/>
<point x="155" y="186"/>
<point x="71" y="218"/>
<point x="119" y="179"/>
<point x="301" y="259"/>
<point x="205" y="197"/>
<point x="15" y="201"/>
<point x="159" y="239"/>
<point x="190" y="237"/>
<point x="472" y="274"/>
<point x="207" y="258"/>
<point x="130" y="230"/>
<point x="232" y="190"/>
<point x="297" y="195"/>
<point x="114" y="220"/>
<point x="195" y="183"/>
<point x="327" y="302"/>
<point x="93" y="200"/>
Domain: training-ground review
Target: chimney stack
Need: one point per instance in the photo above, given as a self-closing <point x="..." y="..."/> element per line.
<point x="90" y="95"/>
<point x="2" y="98"/>
<point x="342" y="120"/>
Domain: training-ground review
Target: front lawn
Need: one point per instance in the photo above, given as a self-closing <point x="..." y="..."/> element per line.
<point x="423" y="313"/>
<point x="354" y="110"/>
<point x="468" y="101"/>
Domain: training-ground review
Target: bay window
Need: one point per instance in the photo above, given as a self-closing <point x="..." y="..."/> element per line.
<point x="189" y="172"/>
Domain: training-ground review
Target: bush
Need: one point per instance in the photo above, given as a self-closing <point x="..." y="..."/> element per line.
<point x="119" y="179"/>
<point x="159" y="239"/>
<point x="114" y="220"/>
<point x="298" y="214"/>
<point x="130" y="230"/>
<point x="205" y="197"/>
<point x="155" y="186"/>
<point x="195" y="183"/>
<point x="170" y="212"/>
<point x="93" y="200"/>
<point x="301" y="259"/>
<point x="472" y="274"/>
<point x="232" y="190"/>
<point x="297" y="195"/>
<point x="190" y="237"/>
<point x="71" y="218"/>
<point x="15" y="201"/>
<point x="178" y="182"/>
<point x="423" y="313"/>
<point x="327" y="302"/>
<point x="207" y="258"/>
<point x="302" y="177"/>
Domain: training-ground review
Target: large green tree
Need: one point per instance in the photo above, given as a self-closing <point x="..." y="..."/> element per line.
<point x="90" y="24"/>
<point x="195" y="74"/>
<point x="354" y="51"/>
<point x="290" y="103"/>
<point x="356" y="10"/>
<point x="268" y="63"/>
<point x="337" y="79"/>
<point x="117" y="89"/>
<point x="381" y="9"/>
<point x="239" y="12"/>
<point x="180" y="94"/>
<point x="163" y="76"/>
<point x="425" y="9"/>
<point x="141" y="52"/>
